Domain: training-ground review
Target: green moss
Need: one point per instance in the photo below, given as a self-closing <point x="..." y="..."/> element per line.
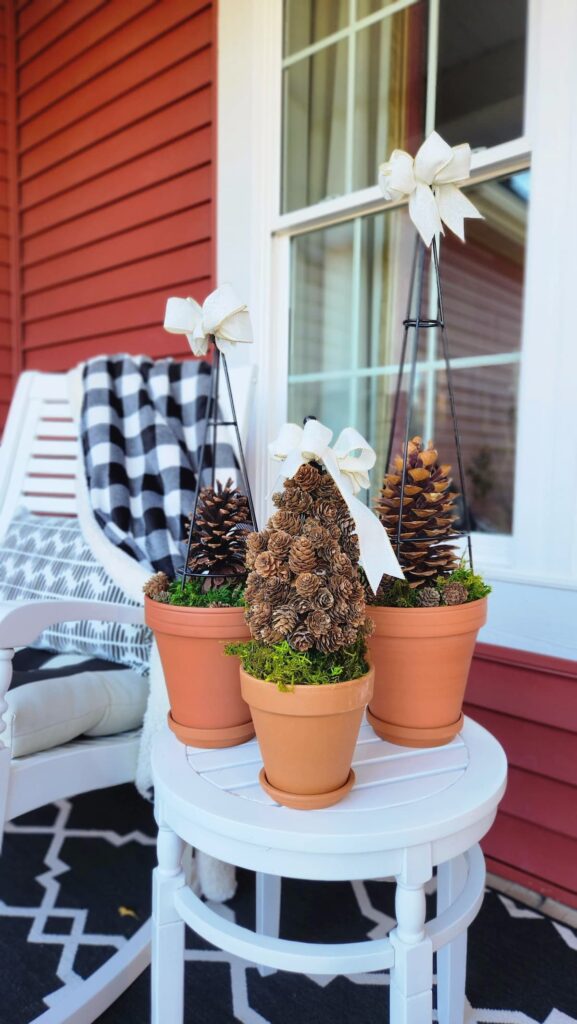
<point x="400" y="595"/>
<point x="475" y="585"/>
<point x="229" y="595"/>
<point x="288" y="668"/>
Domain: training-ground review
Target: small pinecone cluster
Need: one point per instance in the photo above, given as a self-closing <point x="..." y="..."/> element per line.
<point x="451" y="593"/>
<point x="156" y="588"/>
<point x="221" y="527"/>
<point x="304" y="584"/>
<point x="427" y="516"/>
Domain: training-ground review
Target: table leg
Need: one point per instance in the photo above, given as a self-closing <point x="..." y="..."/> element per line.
<point x="411" y="995"/>
<point x="167" y="966"/>
<point x="452" y="958"/>
<point x="268" y="896"/>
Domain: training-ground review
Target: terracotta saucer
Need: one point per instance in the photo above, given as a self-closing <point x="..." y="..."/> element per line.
<point x="230" y="736"/>
<point x="310" y="801"/>
<point x="406" y="737"/>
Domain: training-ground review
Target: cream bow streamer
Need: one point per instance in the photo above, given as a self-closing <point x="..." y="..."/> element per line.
<point x="221" y="316"/>
<point x="431" y="181"/>
<point x="348" y="462"/>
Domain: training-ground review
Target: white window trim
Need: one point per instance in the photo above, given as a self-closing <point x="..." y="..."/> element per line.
<point x="253" y="242"/>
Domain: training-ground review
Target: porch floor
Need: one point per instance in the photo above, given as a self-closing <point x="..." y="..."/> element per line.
<point x="75" y="882"/>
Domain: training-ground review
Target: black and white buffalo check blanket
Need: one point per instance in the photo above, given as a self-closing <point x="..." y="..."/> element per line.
<point x="142" y="425"/>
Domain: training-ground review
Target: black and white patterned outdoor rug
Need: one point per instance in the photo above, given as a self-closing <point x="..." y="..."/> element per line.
<point x="75" y="884"/>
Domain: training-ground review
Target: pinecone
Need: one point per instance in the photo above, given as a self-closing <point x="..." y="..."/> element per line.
<point x="221" y="527"/>
<point x="455" y="593"/>
<point x="427" y="516"/>
<point x="286" y="521"/>
<point x="156" y="588"/>
<point x="266" y="565"/>
<point x="304" y="586"/>
<point x="307" y="584"/>
<point x="284" y="619"/>
<point x="301" y="639"/>
<point x="428" y="597"/>
<point x="319" y="623"/>
<point x="307" y="477"/>
<point x="302" y="556"/>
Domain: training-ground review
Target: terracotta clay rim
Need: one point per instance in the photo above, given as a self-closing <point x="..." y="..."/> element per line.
<point x="307" y="801"/>
<point x="440" y="621"/>
<point x="404" y="736"/>
<point x="230" y="736"/>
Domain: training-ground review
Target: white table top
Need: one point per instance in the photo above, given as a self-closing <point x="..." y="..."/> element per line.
<point x="443" y="797"/>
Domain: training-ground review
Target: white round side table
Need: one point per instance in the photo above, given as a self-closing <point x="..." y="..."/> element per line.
<point x="410" y="811"/>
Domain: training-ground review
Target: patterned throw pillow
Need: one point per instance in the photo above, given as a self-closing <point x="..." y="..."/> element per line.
<point x="44" y="557"/>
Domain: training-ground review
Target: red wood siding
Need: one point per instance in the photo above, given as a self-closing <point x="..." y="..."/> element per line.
<point x="6" y="365"/>
<point x="529" y="702"/>
<point x="115" y="151"/>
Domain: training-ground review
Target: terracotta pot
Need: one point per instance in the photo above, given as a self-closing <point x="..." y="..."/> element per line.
<point x="307" y="737"/>
<point x="422" y="658"/>
<point x="207" y="709"/>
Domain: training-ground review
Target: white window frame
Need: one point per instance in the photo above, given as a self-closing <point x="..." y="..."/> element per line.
<point x="535" y="568"/>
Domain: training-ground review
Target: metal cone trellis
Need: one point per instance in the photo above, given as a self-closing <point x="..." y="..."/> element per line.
<point x="212" y="424"/>
<point x="415" y="325"/>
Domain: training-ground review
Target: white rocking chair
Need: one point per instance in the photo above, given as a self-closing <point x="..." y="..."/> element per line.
<point x="40" y="472"/>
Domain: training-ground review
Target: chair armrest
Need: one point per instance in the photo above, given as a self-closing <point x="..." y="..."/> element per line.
<point x="21" y="623"/>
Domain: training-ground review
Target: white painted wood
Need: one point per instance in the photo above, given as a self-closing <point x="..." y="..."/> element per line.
<point x="282" y="954"/>
<point x="50" y="485"/>
<point x="268" y="904"/>
<point x="87" y="1001"/>
<point x="199" y="792"/>
<point x="167" y="974"/>
<point x="451" y="958"/>
<point x="20" y="623"/>
<point x="63" y="772"/>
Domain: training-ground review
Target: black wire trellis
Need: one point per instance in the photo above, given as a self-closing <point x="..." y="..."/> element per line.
<point x="212" y="424"/>
<point x="414" y="322"/>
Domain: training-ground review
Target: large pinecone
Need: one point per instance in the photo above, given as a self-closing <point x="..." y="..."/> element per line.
<point x="221" y="527"/>
<point x="428" y="514"/>
<point x="304" y="585"/>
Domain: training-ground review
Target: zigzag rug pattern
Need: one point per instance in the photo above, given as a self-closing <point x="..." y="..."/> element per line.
<point x="75" y="885"/>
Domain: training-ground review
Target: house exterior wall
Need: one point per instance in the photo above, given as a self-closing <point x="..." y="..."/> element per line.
<point x="107" y="205"/>
<point x="6" y="369"/>
<point x="529" y="702"/>
<point x="114" y="161"/>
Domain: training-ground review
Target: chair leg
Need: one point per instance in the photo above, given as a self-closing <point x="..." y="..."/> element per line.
<point x="452" y="958"/>
<point x="6" y="655"/>
<point x="268" y="897"/>
<point x="167" y="975"/>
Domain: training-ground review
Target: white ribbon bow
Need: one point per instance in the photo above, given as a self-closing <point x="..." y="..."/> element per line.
<point x="221" y="316"/>
<point x="431" y="183"/>
<point x="348" y="462"/>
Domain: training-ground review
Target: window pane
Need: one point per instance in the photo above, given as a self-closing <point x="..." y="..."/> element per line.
<point x="366" y="7"/>
<point x="483" y="280"/>
<point x="309" y="21"/>
<point x="389" y="91"/>
<point x="349" y="298"/>
<point x="481" y="73"/>
<point x="321" y="315"/>
<point x="486" y="399"/>
<point x="334" y="137"/>
<point x="315" y="92"/>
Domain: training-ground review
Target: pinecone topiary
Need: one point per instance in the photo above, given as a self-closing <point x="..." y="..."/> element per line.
<point x="304" y="584"/>
<point x="427" y="516"/>
<point x="428" y="597"/>
<point x="222" y="525"/>
<point x="454" y="593"/>
<point x="156" y="588"/>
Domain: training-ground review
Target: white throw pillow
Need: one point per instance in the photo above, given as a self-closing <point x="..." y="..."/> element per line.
<point x="43" y="557"/>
